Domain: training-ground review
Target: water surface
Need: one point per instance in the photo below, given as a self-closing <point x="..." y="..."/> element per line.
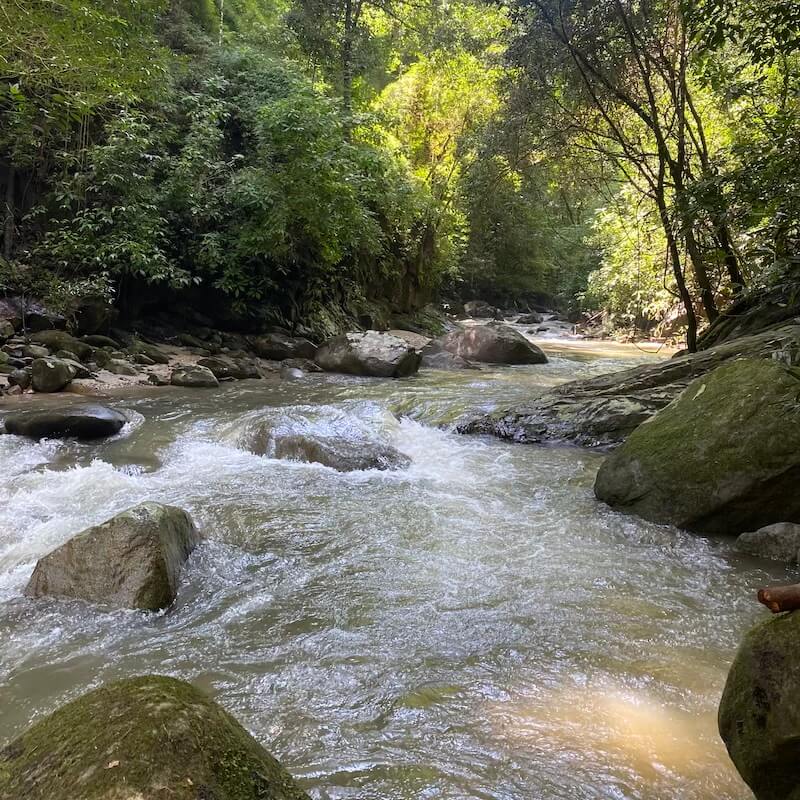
<point x="476" y="626"/>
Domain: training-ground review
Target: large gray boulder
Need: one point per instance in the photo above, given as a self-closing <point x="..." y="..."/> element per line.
<point x="132" y="560"/>
<point x="79" y="422"/>
<point x="780" y="541"/>
<point x="604" y="410"/>
<point x="144" y="738"/>
<point x="496" y="344"/>
<point x="759" y="716"/>
<point x="194" y="377"/>
<point x="722" y="458"/>
<point x="51" y="374"/>
<point x="369" y="353"/>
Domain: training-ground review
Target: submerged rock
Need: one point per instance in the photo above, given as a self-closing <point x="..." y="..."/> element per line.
<point x="759" y="716"/>
<point x="79" y="422"/>
<point x="497" y="344"/>
<point x="780" y="541"/>
<point x="50" y="374"/>
<point x="140" y="739"/>
<point x="338" y="452"/>
<point x="369" y="353"/>
<point x="291" y="373"/>
<point x="132" y="560"/>
<point x="604" y="410"/>
<point x="722" y="458"/>
<point x="193" y="376"/>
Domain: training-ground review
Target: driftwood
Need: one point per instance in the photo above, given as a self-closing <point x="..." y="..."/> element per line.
<point x="780" y="598"/>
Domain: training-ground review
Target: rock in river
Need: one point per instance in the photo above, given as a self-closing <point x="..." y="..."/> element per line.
<point x="759" y="716"/>
<point x="780" y="541"/>
<point x="722" y="458"/>
<point x="140" y="739"/>
<point x="496" y="344"/>
<point x="132" y="560"/>
<point x="79" y="422"/>
<point x="51" y="374"/>
<point x="369" y="353"/>
<point x="193" y="376"/>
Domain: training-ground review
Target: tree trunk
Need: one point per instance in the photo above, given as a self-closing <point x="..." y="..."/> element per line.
<point x="731" y="260"/>
<point x="347" y="61"/>
<point x="8" y="222"/>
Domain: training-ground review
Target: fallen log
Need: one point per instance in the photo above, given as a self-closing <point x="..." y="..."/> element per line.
<point x="780" y="598"/>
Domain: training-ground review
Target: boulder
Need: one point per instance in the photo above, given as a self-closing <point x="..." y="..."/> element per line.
<point x="434" y="356"/>
<point x="604" y="410"/>
<point x="193" y="376"/>
<point x="20" y="377"/>
<point x="142" y="738"/>
<point x="150" y="350"/>
<point x="132" y="560"/>
<point x="278" y="346"/>
<point x="79" y="422"/>
<point x="304" y="364"/>
<point x="724" y="457"/>
<point x="780" y="541"/>
<point x="339" y="453"/>
<point x="369" y="353"/>
<point x="118" y="366"/>
<point x="480" y="309"/>
<point x="50" y="374"/>
<point x="61" y="340"/>
<point x="759" y="716"/>
<point x="96" y="340"/>
<point x="498" y="344"/>
<point x="226" y="368"/>
<point x="530" y="319"/>
<point x="34" y="351"/>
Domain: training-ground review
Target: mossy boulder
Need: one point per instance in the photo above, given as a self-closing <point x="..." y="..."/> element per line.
<point x="61" y="340"/>
<point x="759" y="716"/>
<point x="51" y="374"/>
<point x="132" y="560"/>
<point x="145" y="738"/>
<point x="724" y="457"/>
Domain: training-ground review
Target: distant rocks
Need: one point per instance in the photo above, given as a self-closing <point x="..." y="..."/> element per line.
<point x="79" y="422"/>
<point x="759" y="716"/>
<point x="193" y="376"/>
<point x="132" y="560"/>
<point x="480" y="309"/>
<point x="140" y="739"/>
<point x="529" y="319"/>
<point x="724" y="457"/>
<point x="496" y="344"/>
<point x="370" y="353"/>
<point x="277" y="346"/>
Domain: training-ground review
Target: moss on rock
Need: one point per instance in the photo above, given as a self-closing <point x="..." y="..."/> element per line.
<point x="724" y="457"/>
<point x="759" y="716"/>
<point x="146" y="738"/>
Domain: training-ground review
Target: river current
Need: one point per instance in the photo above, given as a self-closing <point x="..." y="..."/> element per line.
<point x="474" y="626"/>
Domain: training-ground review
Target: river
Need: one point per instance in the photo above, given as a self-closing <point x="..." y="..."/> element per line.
<point x="475" y="626"/>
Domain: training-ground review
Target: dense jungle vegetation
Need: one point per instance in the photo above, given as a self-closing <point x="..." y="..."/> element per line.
<point x="320" y="160"/>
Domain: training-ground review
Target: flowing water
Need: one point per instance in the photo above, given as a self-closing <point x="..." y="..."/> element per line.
<point x="474" y="626"/>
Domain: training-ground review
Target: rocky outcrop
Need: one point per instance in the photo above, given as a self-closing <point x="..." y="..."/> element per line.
<point x="79" y="422"/>
<point x="369" y="353"/>
<point x="497" y="344"/>
<point x="132" y="560"/>
<point x="604" y="410"/>
<point x="147" y="737"/>
<point x="759" y="716"/>
<point x="780" y="541"/>
<point x="336" y="452"/>
<point x="193" y="376"/>
<point x="50" y="374"/>
<point x="724" y="457"/>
